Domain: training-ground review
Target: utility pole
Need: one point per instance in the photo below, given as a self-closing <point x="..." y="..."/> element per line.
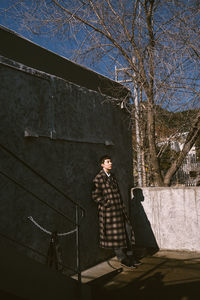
<point x="134" y="90"/>
<point x="138" y="140"/>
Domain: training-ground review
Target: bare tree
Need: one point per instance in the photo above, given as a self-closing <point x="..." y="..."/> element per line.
<point x="162" y="36"/>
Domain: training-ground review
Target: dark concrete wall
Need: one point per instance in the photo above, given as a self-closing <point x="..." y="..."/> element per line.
<point x="80" y="121"/>
<point x="18" y="48"/>
<point x="23" y="278"/>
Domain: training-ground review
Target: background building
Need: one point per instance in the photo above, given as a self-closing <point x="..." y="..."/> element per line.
<point x="56" y="119"/>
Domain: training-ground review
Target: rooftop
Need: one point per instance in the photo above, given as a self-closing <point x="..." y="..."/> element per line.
<point x="22" y="50"/>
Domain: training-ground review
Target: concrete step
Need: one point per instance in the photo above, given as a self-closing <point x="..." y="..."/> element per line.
<point x="100" y="271"/>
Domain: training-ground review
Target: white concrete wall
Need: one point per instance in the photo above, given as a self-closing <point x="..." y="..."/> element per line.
<point x="174" y="215"/>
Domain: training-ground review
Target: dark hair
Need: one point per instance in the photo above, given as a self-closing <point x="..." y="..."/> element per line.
<point x="103" y="158"/>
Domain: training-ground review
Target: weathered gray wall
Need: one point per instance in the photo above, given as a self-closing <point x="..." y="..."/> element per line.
<point x="80" y="122"/>
<point x="174" y="216"/>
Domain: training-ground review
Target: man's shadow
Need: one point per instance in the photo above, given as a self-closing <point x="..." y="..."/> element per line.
<point x="144" y="237"/>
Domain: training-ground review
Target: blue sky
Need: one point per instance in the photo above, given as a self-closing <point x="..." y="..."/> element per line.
<point x="53" y="43"/>
<point x="48" y="42"/>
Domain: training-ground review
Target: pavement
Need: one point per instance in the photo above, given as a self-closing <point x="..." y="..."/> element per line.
<point x="173" y="275"/>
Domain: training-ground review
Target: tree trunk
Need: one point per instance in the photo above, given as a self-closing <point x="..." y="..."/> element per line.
<point x="152" y="147"/>
<point x="190" y="140"/>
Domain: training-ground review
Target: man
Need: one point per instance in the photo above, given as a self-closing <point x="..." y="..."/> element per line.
<point x="114" y="226"/>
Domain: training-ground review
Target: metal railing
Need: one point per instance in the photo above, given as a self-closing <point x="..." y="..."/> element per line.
<point x="79" y="210"/>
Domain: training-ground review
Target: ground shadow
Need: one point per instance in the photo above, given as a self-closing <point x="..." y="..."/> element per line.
<point x="156" y="279"/>
<point x="8" y="296"/>
<point x="145" y="240"/>
<point x="152" y="288"/>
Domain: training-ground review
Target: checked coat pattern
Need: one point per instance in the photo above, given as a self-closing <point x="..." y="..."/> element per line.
<point x="111" y="212"/>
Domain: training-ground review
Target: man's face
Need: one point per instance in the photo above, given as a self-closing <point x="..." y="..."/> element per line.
<point x="107" y="165"/>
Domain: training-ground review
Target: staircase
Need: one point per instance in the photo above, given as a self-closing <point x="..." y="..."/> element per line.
<point x="24" y="278"/>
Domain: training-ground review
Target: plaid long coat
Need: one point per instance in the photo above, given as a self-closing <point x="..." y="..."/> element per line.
<point x="111" y="212"/>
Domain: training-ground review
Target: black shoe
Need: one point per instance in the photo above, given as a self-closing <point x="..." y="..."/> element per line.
<point x="127" y="264"/>
<point x="135" y="261"/>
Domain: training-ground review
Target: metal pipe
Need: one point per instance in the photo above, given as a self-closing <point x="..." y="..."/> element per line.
<point x="138" y="141"/>
<point x="78" y="251"/>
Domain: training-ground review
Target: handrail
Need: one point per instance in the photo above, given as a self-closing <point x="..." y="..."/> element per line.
<point x="63" y="215"/>
<point x="30" y="248"/>
<point x="35" y="196"/>
<point x="77" y="206"/>
<point x="42" y="177"/>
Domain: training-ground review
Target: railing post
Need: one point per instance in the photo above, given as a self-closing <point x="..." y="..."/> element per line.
<point x="78" y="247"/>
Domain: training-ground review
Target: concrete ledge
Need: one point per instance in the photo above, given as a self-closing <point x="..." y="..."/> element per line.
<point x="179" y="255"/>
<point x="173" y="214"/>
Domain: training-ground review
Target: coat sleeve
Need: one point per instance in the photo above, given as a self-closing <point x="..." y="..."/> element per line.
<point x="125" y="213"/>
<point x="122" y="203"/>
<point x="97" y="194"/>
